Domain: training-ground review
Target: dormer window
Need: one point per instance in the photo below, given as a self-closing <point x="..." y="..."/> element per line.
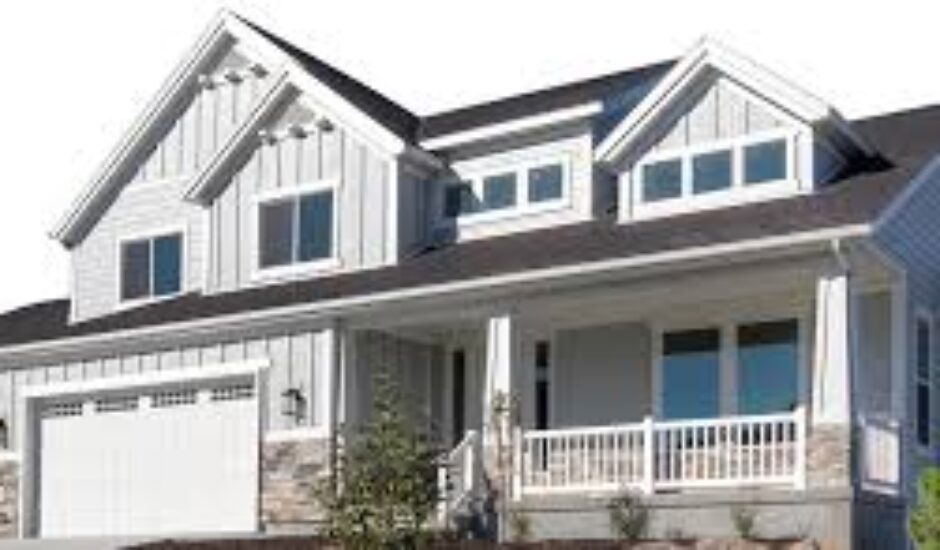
<point x="527" y="187"/>
<point x="714" y="174"/>
<point x="151" y="267"/>
<point x="296" y="226"/>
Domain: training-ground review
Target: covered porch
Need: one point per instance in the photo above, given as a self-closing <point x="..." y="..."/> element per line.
<point x="710" y="376"/>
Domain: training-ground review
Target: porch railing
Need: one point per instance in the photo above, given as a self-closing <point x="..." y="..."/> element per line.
<point x="651" y="456"/>
<point x="456" y="476"/>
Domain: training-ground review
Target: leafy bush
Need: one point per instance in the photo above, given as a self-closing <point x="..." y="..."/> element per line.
<point x="925" y="518"/>
<point x="629" y="518"/>
<point x="520" y="526"/>
<point x="385" y="488"/>
<point x="744" y="520"/>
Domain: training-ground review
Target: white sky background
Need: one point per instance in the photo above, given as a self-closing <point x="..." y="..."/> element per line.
<point x="76" y="74"/>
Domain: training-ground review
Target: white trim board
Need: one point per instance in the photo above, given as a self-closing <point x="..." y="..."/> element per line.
<point x="326" y="310"/>
<point x="502" y="129"/>
<point x="150" y="378"/>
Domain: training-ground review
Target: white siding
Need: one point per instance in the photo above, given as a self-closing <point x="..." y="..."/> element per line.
<point x="336" y="153"/>
<point x="293" y="364"/>
<point x="601" y="375"/>
<point x="153" y="200"/>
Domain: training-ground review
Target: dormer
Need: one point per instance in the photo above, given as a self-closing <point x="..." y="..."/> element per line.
<point x="719" y="130"/>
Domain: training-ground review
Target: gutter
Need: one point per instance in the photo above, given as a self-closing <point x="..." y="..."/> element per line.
<point x="326" y="311"/>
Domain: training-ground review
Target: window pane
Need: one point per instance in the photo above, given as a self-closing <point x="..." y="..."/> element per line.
<point x="545" y="183"/>
<point x="135" y="270"/>
<point x="167" y="252"/>
<point x="765" y="162"/>
<point x="711" y="172"/>
<point x="316" y="226"/>
<point x="691" y="366"/>
<point x="662" y="180"/>
<point x="923" y="414"/>
<point x="460" y="199"/>
<point x="499" y="191"/>
<point x="768" y="359"/>
<point x="923" y="349"/>
<point x="276" y="221"/>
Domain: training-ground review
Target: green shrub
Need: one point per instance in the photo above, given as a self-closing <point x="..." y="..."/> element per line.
<point x="744" y="520"/>
<point x="385" y="488"/>
<point x="629" y="518"/>
<point x="925" y="518"/>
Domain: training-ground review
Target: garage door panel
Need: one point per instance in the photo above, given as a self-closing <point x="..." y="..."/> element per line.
<point x="180" y="461"/>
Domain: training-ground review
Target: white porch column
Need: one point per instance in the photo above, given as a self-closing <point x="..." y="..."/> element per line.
<point x="500" y="347"/>
<point x="330" y="378"/>
<point x="832" y="365"/>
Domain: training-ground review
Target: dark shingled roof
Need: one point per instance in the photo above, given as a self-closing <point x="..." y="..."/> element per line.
<point x="617" y="91"/>
<point x="908" y="139"/>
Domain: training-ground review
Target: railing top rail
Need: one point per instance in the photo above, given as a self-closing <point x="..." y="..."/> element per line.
<point x="468" y="439"/>
<point x="660" y="425"/>
<point x="589" y="430"/>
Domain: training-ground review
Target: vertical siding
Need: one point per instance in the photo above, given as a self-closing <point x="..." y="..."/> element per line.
<point x="334" y="153"/>
<point x="208" y="117"/>
<point x="293" y="364"/>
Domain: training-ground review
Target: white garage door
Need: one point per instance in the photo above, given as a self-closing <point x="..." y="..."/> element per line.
<point x="168" y="461"/>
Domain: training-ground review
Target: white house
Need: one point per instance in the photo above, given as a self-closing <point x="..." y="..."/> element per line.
<point x="694" y="280"/>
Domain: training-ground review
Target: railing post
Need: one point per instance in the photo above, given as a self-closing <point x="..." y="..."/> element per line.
<point x="443" y="496"/>
<point x="517" y="464"/>
<point x="649" y="475"/>
<point x="468" y="463"/>
<point x="799" y="418"/>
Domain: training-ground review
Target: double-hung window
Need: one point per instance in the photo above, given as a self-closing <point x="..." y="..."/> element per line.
<point x="924" y="359"/>
<point x="768" y="362"/>
<point x="151" y="267"/>
<point x="691" y="368"/>
<point x="296" y="228"/>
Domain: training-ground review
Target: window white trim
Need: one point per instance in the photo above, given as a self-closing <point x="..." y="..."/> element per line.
<point x="728" y="352"/>
<point x="923" y="315"/>
<point x="330" y="263"/>
<point x="739" y="192"/>
<point x="523" y="206"/>
<point x="151" y="235"/>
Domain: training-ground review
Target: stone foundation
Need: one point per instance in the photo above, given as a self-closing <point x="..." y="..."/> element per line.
<point x="290" y="472"/>
<point x="828" y="456"/>
<point x="9" y="499"/>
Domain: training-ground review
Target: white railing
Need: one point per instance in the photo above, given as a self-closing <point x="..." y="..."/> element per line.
<point x="456" y="476"/>
<point x="734" y="451"/>
<point x="879" y="456"/>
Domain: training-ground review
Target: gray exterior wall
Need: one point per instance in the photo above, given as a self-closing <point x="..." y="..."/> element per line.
<point x="363" y="176"/>
<point x="293" y="358"/>
<point x="910" y="236"/>
<point x="602" y="376"/>
<point x="873" y="379"/>
<point x="152" y="201"/>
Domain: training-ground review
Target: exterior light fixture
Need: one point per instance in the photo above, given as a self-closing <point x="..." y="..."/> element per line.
<point x="292" y="404"/>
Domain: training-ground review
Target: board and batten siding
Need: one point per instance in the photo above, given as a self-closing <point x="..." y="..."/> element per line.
<point x="152" y="202"/>
<point x="363" y="176"/>
<point x="293" y="364"/>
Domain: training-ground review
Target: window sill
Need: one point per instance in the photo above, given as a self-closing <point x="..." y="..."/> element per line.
<point x="505" y="214"/>
<point x="139" y="302"/>
<point x="736" y="196"/>
<point x="293" y="271"/>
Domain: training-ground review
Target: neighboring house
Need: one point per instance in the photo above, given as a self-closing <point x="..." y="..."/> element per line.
<point x="694" y="280"/>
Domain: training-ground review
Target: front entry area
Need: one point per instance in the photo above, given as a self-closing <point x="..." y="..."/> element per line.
<point x="160" y="459"/>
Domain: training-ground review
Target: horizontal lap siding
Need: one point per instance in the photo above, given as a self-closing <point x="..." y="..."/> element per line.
<point x="334" y="153"/>
<point x="293" y="364"/>
<point x="910" y="235"/>
<point x="153" y="200"/>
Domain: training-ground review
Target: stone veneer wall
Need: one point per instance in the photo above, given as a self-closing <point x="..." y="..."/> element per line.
<point x="9" y="497"/>
<point x="290" y="471"/>
<point x="828" y="456"/>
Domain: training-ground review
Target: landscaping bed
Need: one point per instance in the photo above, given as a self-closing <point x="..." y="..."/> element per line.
<point x="314" y="543"/>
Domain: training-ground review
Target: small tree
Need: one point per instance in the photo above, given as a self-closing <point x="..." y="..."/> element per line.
<point x="925" y="519"/>
<point x="384" y="489"/>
